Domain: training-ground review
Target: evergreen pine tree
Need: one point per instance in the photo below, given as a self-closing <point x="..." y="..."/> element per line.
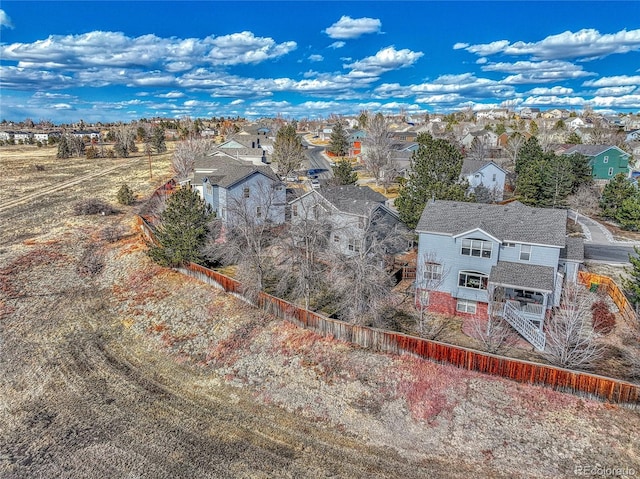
<point x="628" y="215"/>
<point x="529" y="152"/>
<point x="64" y="149"/>
<point x="125" y="195"/>
<point x="632" y="283"/>
<point x="344" y="174"/>
<point x="339" y="142"/>
<point x="614" y="194"/>
<point x="436" y="167"/>
<point x="183" y="229"/>
<point x="158" y="142"/>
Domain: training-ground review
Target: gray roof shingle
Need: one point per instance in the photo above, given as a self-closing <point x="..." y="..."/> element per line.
<point x="587" y="150"/>
<point x="513" y="222"/>
<point x="525" y="276"/>
<point x="359" y="200"/>
<point x="574" y="251"/>
<point x="226" y="172"/>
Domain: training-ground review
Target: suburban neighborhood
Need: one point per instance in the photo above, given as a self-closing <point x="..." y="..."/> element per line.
<point x="319" y="240"/>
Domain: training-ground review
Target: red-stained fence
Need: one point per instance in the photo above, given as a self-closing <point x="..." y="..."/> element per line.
<point x="576" y="382"/>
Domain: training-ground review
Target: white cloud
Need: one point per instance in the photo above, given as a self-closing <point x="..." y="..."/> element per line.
<point x="615" y="91"/>
<point x="616" y="102"/>
<point x="621" y="80"/>
<point x="586" y="44"/>
<point x="553" y="101"/>
<point x="237" y="102"/>
<point x="556" y="90"/>
<point x="171" y="94"/>
<point x="316" y="58"/>
<point x="385" y="60"/>
<point x="246" y="48"/>
<point x="115" y="49"/>
<point x="336" y="45"/>
<point x="5" y="21"/>
<point x="348" y="28"/>
<point x="459" y="46"/>
<point x="62" y="106"/>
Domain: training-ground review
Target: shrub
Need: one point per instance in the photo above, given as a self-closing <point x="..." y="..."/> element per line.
<point x="39" y="167"/>
<point x="91" y="153"/>
<point x="93" y="206"/>
<point x="125" y="195"/>
<point x="603" y="319"/>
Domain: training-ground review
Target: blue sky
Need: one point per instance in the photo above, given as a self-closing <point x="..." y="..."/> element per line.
<point x="122" y="60"/>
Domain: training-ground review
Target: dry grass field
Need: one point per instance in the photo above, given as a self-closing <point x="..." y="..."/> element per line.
<point x="129" y="370"/>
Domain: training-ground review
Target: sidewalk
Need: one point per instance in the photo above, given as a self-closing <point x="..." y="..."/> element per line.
<point x="597" y="233"/>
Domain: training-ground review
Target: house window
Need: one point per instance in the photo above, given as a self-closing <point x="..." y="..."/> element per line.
<point x="610" y="171"/>
<point x="432" y="272"/>
<point x="258" y="211"/>
<point x="474" y="247"/>
<point x="209" y="188"/>
<point x="605" y="159"/>
<point x="525" y="252"/>
<point x="493" y="178"/>
<point x="224" y="212"/>
<point x="509" y="245"/>
<point x="294" y="210"/>
<point x="466" y="306"/>
<point x="246" y="192"/>
<point x="353" y="245"/>
<point x="336" y="239"/>
<point x="472" y="279"/>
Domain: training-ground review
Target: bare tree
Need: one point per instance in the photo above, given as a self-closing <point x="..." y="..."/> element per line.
<point x="433" y="274"/>
<point x="249" y="232"/>
<point x="377" y="145"/>
<point x="306" y="256"/>
<point x="586" y="199"/>
<point x="185" y="154"/>
<point x="479" y="150"/>
<point x="571" y="339"/>
<point x="362" y="280"/>
<point x="125" y="140"/>
<point x="513" y="145"/>
<point x="496" y="336"/>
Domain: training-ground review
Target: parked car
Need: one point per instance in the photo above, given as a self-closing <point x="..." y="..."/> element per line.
<point x="315" y="183"/>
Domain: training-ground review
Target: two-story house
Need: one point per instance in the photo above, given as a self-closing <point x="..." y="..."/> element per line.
<point x="239" y="190"/>
<point x="353" y="215"/>
<point x="606" y="161"/>
<point x="476" y="260"/>
<point x="485" y="173"/>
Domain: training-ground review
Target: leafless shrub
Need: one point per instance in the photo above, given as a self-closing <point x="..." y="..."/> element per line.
<point x="586" y="200"/>
<point x="39" y="167"/>
<point x="93" y="206"/>
<point x="432" y="326"/>
<point x="571" y="339"/>
<point x="91" y="262"/>
<point x="112" y="234"/>
<point x="496" y="336"/>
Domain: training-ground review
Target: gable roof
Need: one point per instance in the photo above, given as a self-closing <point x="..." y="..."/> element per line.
<point x="511" y="222"/>
<point x="359" y="200"/>
<point x="592" y="150"/>
<point x="469" y="166"/>
<point x="226" y="172"/>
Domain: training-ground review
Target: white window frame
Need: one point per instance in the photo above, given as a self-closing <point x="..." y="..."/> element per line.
<point x="605" y="159"/>
<point x="246" y="192"/>
<point x="353" y="245"/>
<point x="484" y="248"/>
<point x="336" y="239"/>
<point x="258" y="211"/>
<point x="509" y="245"/>
<point x="432" y="272"/>
<point x="294" y="210"/>
<point x="525" y="252"/>
<point x="470" y="278"/>
<point x="611" y="171"/>
<point x="466" y="306"/>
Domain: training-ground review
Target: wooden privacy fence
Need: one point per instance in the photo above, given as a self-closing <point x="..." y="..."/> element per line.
<point x="391" y="342"/>
<point x="611" y="288"/>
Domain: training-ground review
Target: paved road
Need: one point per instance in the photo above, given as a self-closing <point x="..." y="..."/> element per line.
<point x="317" y="161"/>
<point x="609" y="253"/>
